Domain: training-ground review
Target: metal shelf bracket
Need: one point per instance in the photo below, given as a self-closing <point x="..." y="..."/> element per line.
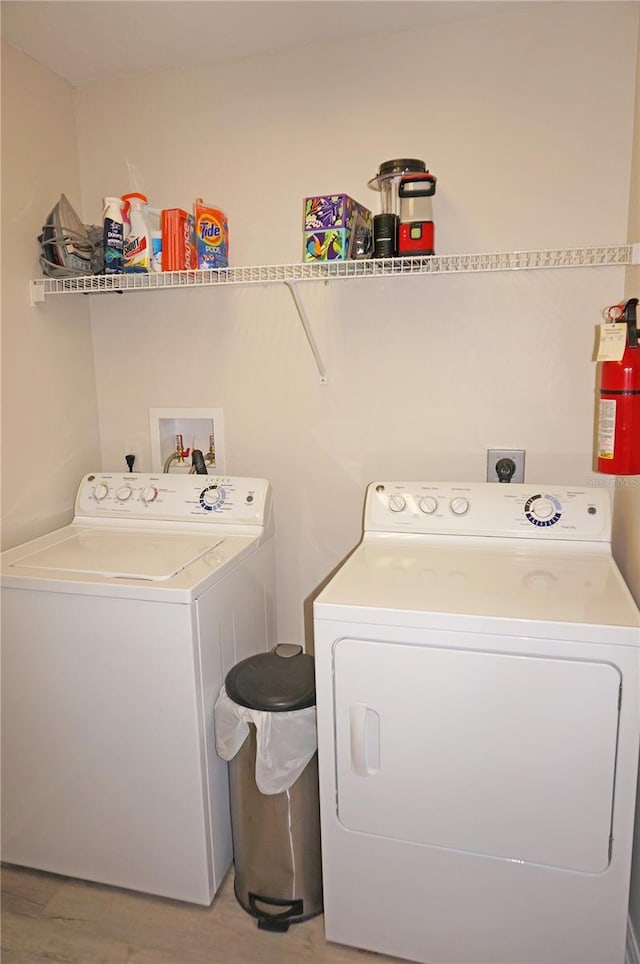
<point x="36" y="292"/>
<point x="291" y="285"/>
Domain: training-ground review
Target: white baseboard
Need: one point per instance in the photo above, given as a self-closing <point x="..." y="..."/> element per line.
<point x="632" y="955"/>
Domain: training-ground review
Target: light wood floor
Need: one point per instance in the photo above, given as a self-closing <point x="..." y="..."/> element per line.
<point x="56" y="920"/>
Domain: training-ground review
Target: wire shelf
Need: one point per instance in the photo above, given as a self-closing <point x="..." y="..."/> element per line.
<point x="620" y="254"/>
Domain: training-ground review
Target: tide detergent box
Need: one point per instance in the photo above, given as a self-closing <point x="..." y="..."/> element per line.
<point x="212" y="236"/>
<point x="178" y="241"/>
<point x="336" y="228"/>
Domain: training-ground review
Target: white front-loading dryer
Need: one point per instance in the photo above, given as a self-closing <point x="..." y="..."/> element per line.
<point x="117" y="633"/>
<point x="478" y="704"/>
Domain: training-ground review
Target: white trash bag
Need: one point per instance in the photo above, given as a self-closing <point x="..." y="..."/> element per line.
<point x="285" y="742"/>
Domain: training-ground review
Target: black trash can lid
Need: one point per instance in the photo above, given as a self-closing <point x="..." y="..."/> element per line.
<point x="278" y="681"/>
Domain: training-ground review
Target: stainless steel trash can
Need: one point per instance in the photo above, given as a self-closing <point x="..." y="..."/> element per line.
<point x="276" y="837"/>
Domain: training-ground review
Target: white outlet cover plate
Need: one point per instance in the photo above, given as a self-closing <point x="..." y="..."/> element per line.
<point x="494" y="455"/>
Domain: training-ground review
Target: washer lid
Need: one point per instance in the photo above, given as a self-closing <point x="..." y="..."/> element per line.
<point x="144" y="554"/>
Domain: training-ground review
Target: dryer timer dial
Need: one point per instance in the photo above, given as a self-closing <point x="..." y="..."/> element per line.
<point x="543" y="510"/>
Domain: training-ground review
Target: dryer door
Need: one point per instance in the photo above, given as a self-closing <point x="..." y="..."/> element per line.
<point x="489" y="753"/>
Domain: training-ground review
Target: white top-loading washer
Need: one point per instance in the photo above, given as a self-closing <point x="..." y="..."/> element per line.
<point x="117" y="633"/>
<point x="478" y="701"/>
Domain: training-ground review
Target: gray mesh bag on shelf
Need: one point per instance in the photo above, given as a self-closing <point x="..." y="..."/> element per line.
<point x="69" y="247"/>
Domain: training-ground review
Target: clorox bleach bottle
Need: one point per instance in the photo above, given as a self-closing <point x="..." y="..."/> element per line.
<point x="136" y="254"/>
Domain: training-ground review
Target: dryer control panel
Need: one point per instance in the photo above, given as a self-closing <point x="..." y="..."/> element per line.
<point x="158" y="497"/>
<point x="485" y="509"/>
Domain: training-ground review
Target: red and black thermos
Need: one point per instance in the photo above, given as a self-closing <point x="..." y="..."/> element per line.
<point x="619" y="409"/>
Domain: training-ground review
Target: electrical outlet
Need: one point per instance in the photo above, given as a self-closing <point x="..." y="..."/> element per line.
<point x="495" y="455"/>
<point x="130" y="448"/>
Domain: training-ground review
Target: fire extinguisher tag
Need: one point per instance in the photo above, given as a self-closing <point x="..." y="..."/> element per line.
<point x="612" y="342"/>
<point x="607" y="429"/>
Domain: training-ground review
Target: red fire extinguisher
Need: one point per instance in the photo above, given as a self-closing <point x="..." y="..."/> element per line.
<point x="619" y="410"/>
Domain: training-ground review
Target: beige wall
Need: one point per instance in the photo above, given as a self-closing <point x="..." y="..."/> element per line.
<point x="626" y="535"/>
<point x="627" y="501"/>
<point x="49" y="411"/>
<point x="531" y="142"/>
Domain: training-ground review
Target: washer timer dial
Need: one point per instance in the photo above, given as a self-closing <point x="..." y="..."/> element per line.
<point x="212" y="497"/>
<point x="543" y="510"/>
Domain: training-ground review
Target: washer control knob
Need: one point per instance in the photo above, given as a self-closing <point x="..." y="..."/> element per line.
<point x="149" y="494"/>
<point x="428" y="504"/>
<point x="100" y="492"/>
<point x="123" y="493"/>
<point x="210" y="496"/>
<point x="459" y="505"/>
<point x="397" y="503"/>
<point x="543" y="508"/>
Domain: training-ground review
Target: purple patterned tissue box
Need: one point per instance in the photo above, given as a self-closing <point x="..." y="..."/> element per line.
<point x="330" y="223"/>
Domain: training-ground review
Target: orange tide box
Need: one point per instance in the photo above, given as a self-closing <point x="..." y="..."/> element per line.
<point x="212" y="236"/>
<point x="178" y="247"/>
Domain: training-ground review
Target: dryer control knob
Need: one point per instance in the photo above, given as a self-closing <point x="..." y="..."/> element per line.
<point x="428" y="504"/>
<point x="101" y="491"/>
<point x="459" y="505"/>
<point x="124" y="492"/>
<point x="543" y="509"/>
<point x="149" y="494"/>
<point x="397" y="503"/>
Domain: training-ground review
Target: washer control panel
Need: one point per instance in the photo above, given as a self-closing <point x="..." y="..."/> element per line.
<point x="173" y="498"/>
<point x="489" y="509"/>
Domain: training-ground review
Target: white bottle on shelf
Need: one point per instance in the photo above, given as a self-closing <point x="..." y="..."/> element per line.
<point x="136" y="256"/>
<point x="154" y="216"/>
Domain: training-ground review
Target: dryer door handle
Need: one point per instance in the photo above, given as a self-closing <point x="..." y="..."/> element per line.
<point x="364" y="735"/>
